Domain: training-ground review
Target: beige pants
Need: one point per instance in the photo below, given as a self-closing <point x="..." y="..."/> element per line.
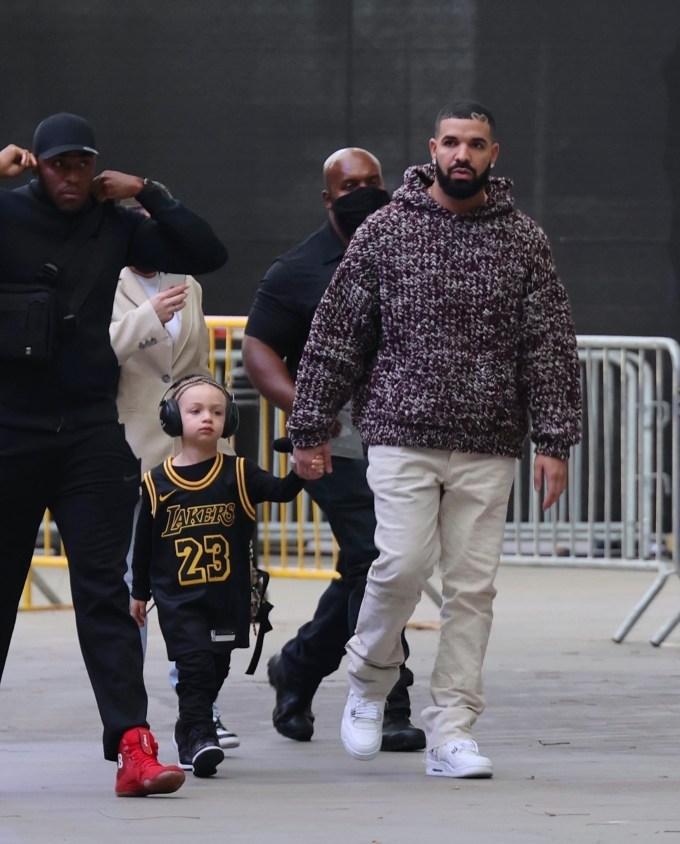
<point x="433" y="507"/>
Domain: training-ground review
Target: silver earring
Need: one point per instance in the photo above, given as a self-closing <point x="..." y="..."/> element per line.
<point x="492" y="165"/>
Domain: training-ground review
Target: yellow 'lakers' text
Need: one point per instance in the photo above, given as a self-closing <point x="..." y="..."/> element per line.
<point x="181" y="518"/>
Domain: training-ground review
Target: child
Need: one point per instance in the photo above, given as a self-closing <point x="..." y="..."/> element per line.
<point x="192" y="553"/>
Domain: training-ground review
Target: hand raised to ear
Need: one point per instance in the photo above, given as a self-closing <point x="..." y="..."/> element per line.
<point x="114" y="185"/>
<point x="14" y="160"/>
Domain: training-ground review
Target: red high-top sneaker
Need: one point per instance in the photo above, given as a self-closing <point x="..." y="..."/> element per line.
<point x="139" y="771"/>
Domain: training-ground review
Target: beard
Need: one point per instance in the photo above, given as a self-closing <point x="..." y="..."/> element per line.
<point x="462" y="189"/>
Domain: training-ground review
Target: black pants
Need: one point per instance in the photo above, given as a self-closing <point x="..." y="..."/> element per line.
<point x="319" y="645"/>
<point x="200" y="676"/>
<point x="89" y="479"/>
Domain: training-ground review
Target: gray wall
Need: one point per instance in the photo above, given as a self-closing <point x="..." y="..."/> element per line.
<point x="236" y="105"/>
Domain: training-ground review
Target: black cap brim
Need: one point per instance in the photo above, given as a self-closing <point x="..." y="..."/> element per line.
<point x="51" y="153"/>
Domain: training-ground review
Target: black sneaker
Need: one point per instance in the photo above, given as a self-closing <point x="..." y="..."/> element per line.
<point x="400" y="735"/>
<point x="198" y="748"/>
<point x="227" y="738"/>
<point x="179" y="741"/>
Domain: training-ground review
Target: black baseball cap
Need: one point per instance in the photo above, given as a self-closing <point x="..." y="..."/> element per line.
<point x="63" y="132"/>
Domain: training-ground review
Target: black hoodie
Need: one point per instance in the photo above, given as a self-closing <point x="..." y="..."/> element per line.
<point x="78" y="387"/>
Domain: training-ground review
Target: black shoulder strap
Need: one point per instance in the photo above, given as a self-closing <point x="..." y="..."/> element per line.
<point x="262" y="615"/>
<point x="89" y="229"/>
<point x="265" y="626"/>
<point x="98" y="257"/>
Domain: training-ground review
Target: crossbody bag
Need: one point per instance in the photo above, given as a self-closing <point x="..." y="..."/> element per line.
<point x="31" y="323"/>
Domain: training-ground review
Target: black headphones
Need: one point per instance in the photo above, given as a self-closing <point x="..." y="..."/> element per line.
<point x="169" y="412"/>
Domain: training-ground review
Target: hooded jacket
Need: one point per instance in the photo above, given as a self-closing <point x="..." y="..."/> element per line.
<point x="451" y="332"/>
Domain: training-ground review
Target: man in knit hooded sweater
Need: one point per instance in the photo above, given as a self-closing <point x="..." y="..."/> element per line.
<point x="447" y="324"/>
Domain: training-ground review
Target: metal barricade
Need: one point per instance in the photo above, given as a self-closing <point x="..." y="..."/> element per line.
<point x="620" y="508"/>
<point x="49" y="554"/>
<point x="621" y="505"/>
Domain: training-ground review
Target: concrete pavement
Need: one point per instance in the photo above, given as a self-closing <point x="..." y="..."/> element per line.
<point x="584" y="735"/>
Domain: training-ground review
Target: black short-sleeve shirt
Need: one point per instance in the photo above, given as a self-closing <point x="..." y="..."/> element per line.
<point x="289" y="293"/>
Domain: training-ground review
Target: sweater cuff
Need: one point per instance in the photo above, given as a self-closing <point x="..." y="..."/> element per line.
<point x="303" y="439"/>
<point x="553" y="450"/>
<point x="154" y="196"/>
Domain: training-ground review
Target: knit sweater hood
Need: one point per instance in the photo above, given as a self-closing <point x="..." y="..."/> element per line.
<point x="418" y="179"/>
<point x="449" y="331"/>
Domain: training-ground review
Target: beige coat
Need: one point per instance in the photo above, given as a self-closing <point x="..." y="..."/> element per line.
<point x="150" y="362"/>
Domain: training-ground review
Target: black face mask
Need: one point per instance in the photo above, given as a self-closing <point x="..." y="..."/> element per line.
<point x="351" y="209"/>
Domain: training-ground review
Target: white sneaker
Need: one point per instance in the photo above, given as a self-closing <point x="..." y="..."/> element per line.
<point x="226" y="737"/>
<point x="361" y="729"/>
<point x="458" y="759"/>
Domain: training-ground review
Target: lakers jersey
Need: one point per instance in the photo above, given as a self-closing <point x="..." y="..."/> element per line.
<point x="192" y="548"/>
